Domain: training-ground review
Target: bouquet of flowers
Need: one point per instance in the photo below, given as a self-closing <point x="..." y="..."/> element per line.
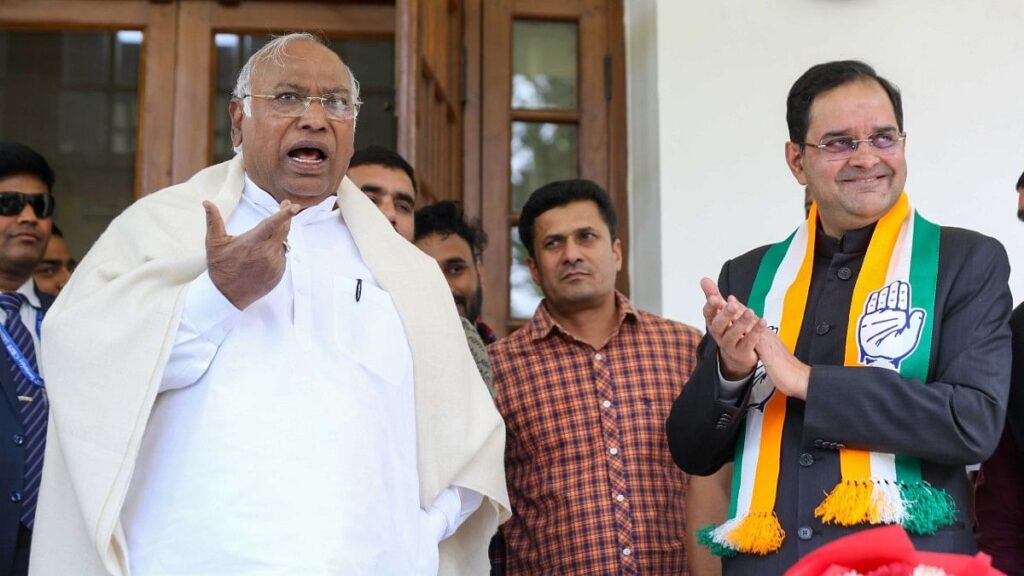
<point x="887" y="551"/>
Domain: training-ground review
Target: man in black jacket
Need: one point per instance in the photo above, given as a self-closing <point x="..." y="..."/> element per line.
<point x="26" y="206"/>
<point x="851" y="371"/>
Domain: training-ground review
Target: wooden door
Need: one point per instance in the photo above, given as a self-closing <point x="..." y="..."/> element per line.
<point x="430" y="98"/>
<point x="552" y="107"/>
<point x="73" y="75"/>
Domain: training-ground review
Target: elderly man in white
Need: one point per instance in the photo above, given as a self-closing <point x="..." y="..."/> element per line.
<point x="281" y="390"/>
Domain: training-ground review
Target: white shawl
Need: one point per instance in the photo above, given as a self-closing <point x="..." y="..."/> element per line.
<point x="107" y="338"/>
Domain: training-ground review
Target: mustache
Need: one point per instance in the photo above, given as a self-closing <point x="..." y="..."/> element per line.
<point x="851" y="173"/>
<point x="573" y="268"/>
<point x="24" y="228"/>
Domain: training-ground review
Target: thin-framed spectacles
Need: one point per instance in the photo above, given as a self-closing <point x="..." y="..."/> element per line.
<point x="839" y="147"/>
<point x="337" y="106"/>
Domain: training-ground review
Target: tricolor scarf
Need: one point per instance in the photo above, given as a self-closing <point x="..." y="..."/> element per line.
<point x="890" y="326"/>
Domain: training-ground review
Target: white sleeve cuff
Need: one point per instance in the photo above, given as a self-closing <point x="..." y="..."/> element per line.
<point x="730" y="391"/>
<point x="451" y="508"/>
<point x="207" y="312"/>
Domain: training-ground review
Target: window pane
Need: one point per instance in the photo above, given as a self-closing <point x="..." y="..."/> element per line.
<point x="73" y="97"/>
<point x="84" y="121"/>
<point x="372" y="63"/>
<point x="541" y="153"/>
<point x="524" y="295"/>
<point x="544" y="65"/>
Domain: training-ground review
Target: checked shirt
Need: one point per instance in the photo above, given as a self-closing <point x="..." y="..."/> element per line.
<point x="592" y="485"/>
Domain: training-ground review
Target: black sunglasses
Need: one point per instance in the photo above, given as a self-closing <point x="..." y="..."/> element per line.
<point x="12" y="203"/>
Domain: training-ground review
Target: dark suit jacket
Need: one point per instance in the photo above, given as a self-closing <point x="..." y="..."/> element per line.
<point x="12" y="455"/>
<point x="1015" y="410"/>
<point x="951" y="420"/>
<point x="999" y="495"/>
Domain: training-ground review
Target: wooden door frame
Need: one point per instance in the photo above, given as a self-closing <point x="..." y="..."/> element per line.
<point x="157" y="21"/>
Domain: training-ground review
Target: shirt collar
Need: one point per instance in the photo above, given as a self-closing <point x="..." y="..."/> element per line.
<point x="28" y="290"/>
<point x="543" y="323"/>
<point x="853" y="242"/>
<point x="266" y="203"/>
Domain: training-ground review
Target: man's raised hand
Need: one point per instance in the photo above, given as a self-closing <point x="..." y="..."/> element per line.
<point x="248" y="266"/>
<point x="735" y="328"/>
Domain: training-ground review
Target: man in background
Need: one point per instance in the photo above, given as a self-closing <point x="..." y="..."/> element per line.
<point x="999" y="493"/>
<point x="54" y="270"/>
<point x="444" y="233"/>
<point x="585" y="388"/>
<point x="389" y="182"/>
<point x="26" y="206"/>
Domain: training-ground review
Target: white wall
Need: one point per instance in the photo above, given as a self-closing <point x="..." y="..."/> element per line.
<point x="720" y="75"/>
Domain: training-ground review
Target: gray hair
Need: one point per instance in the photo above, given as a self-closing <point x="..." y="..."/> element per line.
<point x="274" y="51"/>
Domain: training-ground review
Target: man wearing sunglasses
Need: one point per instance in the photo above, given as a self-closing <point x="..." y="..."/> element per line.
<point x="853" y="370"/>
<point x="26" y="206"/>
<point x="236" y="393"/>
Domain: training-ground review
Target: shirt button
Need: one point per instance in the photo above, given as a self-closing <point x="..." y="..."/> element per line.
<point x="626" y="551"/>
<point x="804" y="533"/>
<point x="613" y="451"/>
<point x="18" y="440"/>
<point x="598" y="356"/>
<point x="822" y="328"/>
<point x="620" y="498"/>
<point x="806" y="460"/>
<point x="844" y="273"/>
<point x="606" y="404"/>
<point x="15" y="496"/>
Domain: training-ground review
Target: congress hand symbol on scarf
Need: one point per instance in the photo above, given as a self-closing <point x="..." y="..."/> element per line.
<point x="888" y="327"/>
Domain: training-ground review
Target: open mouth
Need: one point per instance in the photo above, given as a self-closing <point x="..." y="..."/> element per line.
<point x="308" y="154"/>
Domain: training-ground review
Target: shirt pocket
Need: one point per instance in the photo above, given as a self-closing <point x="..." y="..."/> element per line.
<point x="368" y="328"/>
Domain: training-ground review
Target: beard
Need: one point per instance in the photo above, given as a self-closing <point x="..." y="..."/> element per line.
<point x="471" y="306"/>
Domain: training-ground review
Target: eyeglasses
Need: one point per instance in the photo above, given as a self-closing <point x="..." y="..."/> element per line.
<point x="844" y="146"/>
<point x="337" y="106"/>
<point x="12" y="203"/>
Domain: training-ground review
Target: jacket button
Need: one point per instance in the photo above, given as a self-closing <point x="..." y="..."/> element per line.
<point x="804" y="533"/>
<point x="806" y="460"/>
<point x="18" y="439"/>
<point x="822" y="328"/>
<point x="15" y="496"/>
<point x="844" y="273"/>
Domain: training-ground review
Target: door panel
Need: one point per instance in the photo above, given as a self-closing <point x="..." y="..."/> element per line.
<point x="547" y="114"/>
<point x="72" y="74"/>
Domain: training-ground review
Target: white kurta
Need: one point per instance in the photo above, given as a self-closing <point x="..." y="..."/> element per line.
<point x="266" y="455"/>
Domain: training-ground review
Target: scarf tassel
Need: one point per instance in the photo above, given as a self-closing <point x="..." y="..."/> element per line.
<point x="917" y="506"/>
<point x="755" y="533"/>
<point x="929" y="508"/>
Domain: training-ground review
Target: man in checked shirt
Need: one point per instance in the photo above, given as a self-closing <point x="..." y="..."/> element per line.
<point x="585" y="388"/>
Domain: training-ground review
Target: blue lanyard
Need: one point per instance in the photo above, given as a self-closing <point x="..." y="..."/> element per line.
<point x="18" y="357"/>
